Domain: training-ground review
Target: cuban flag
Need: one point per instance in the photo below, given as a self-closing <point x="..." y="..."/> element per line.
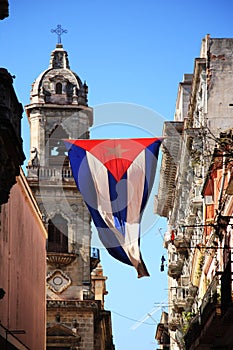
<point x="115" y="178"/>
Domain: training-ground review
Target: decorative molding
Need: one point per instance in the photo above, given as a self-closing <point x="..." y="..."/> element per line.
<point x="60" y="259"/>
<point x="93" y="304"/>
<point x="58" y="281"/>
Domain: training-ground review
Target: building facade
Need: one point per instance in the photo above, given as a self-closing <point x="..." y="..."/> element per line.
<point x="59" y="110"/>
<point x="22" y="234"/>
<point x="4" y="9"/>
<point x="195" y="198"/>
<point x="11" y="143"/>
<point x="22" y="270"/>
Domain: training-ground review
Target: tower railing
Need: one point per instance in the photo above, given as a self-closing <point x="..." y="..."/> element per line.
<point x="55" y="173"/>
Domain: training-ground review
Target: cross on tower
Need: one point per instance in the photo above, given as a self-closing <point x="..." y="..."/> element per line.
<point x="59" y="31"/>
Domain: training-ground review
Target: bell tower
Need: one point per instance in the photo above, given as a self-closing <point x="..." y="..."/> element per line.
<point x="59" y="110"/>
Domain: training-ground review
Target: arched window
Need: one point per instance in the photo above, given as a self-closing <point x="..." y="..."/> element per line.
<point x="59" y="88"/>
<point x="58" y="235"/>
<point x="57" y="149"/>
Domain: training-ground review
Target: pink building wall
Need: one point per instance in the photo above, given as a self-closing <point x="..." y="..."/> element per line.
<point x="23" y="266"/>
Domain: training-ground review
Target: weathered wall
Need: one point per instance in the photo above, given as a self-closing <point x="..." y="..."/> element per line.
<point x="23" y="266"/>
<point x="219" y="81"/>
<point x="82" y="312"/>
<point x="84" y="322"/>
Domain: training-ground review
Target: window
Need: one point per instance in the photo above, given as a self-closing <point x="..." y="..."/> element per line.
<point x="56" y="145"/>
<point x="58" y="235"/>
<point x="59" y="88"/>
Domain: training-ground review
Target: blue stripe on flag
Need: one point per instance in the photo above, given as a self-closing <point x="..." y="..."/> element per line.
<point x="108" y="238"/>
<point x="82" y="175"/>
<point x="119" y="254"/>
<point x="151" y="156"/>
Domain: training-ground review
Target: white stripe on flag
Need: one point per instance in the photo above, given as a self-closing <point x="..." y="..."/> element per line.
<point x="136" y="181"/>
<point x="100" y="178"/>
<point x="131" y="243"/>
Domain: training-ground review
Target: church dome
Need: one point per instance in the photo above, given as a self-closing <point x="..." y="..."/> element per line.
<point x="58" y="84"/>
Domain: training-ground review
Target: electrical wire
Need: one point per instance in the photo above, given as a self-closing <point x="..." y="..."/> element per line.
<point x="131" y="319"/>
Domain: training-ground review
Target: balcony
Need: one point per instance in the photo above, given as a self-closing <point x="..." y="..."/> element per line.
<point x="192" y="331"/>
<point x="175" y="266"/>
<point x="173" y="323"/>
<point x="52" y="173"/>
<point x="182" y="243"/>
<point x="211" y="300"/>
<point x="165" y="199"/>
<point x="182" y="300"/>
<point x="60" y="259"/>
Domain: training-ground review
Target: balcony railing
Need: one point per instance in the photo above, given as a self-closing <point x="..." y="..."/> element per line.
<point x="182" y="299"/>
<point x="53" y="172"/>
<point x="214" y="323"/>
<point x="211" y="299"/>
<point x="182" y="242"/>
<point x="192" y="332"/>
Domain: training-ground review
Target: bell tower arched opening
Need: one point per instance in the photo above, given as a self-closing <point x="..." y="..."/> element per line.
<point x="57" y="150"/>
<point x="58" y="234"/>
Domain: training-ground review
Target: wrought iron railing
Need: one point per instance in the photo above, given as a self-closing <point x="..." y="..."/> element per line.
<point x="211" y="299"/>
<point x="193" y="331"/>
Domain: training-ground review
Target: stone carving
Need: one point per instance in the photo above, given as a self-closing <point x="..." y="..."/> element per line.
<point x="35" y="160"/>
<point x="58" y="281"/>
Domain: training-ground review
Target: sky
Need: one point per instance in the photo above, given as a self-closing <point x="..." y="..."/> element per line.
<point x="132" y="54"/>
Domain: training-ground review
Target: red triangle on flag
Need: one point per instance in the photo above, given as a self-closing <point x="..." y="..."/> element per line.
<point x="116" y="154"/>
